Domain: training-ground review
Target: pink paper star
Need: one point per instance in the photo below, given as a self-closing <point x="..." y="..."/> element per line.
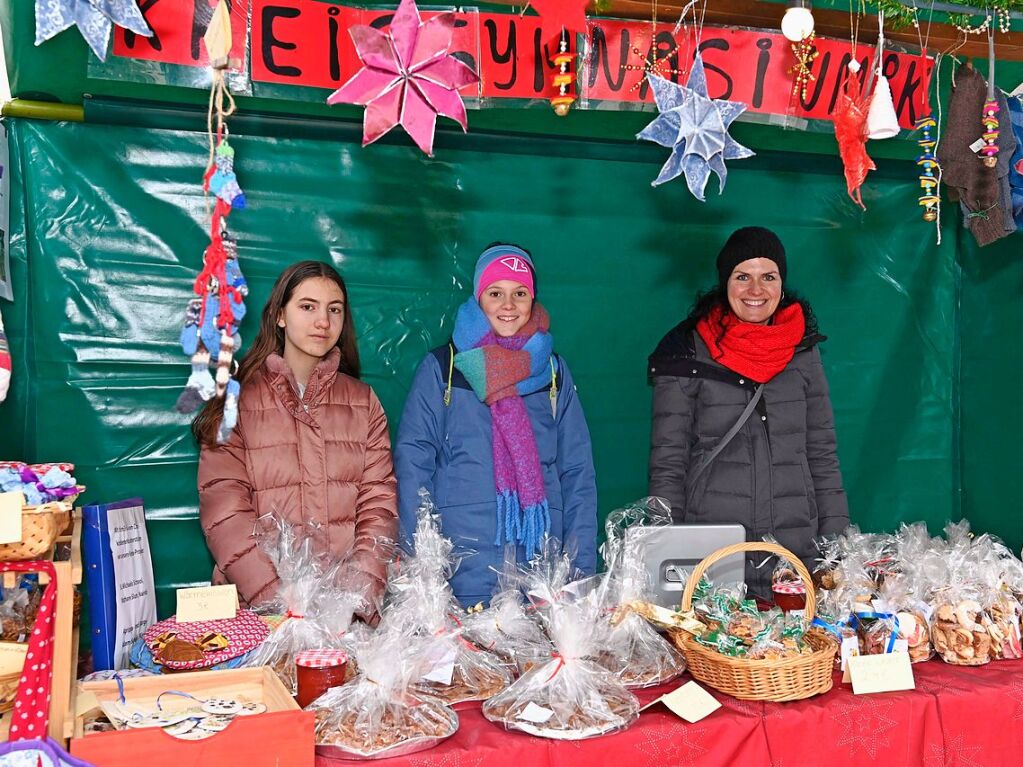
<point x="408" y="78"/>
<point x="556" y="14"/>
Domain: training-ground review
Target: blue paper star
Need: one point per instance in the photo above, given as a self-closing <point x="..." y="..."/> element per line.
<point x="95" y="20"/>
<point x="695" y="128"/>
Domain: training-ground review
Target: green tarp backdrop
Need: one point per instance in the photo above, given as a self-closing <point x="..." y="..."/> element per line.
<point x="108" y="232"/>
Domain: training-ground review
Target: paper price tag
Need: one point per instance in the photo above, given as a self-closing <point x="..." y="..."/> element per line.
<point x="977" y="145"/>
<point x="207" y="603"/>
<point x="443" y="665"/>
<point x="10" y="516"/>
<point x="881" y="673"/>
<point x="850" y="648"/>
<point x="536" y="714"/>
<point x="690" y="702"/>
<point x="12" y="657"/>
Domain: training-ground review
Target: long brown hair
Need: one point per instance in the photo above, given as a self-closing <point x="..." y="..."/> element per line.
<point x="270" y="340"/>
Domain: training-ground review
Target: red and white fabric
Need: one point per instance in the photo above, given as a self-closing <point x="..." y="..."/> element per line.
<point x="245" y="632"/>
<point x="31" y="715"/>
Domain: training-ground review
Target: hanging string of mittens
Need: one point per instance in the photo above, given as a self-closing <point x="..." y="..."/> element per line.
<point x="210" y="335"/>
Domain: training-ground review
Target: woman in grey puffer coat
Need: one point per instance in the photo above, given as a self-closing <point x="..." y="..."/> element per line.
<point x="747" y="355"/>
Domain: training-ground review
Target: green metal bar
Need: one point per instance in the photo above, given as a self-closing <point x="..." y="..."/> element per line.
<point x="43" y="110"/>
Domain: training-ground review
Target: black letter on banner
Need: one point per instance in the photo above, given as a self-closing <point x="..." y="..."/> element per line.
<point x="154" y="41"/>
<point x="543" y="63"/>
<point x="464" y="56"/>
<point x="508" y="55"/>
<point x="383" y="21"/>
<point x="718" y="44"/>
<point x="763" y="59"/>
<point x="600" y="56"/>
<point x="841" y="77"/>
<point x="821" y="74"/>
<point x="908" y="97"/>
<point x="270" y="13"/>
<point x="335" y="53"/>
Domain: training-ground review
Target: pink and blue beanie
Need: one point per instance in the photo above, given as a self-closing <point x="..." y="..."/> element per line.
<point x="503" y="262"/>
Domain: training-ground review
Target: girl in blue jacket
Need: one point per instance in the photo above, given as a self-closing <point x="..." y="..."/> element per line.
<point x="494" y="430"/>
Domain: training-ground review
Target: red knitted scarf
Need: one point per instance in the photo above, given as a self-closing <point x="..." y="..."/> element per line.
<point x="759" y="352"/>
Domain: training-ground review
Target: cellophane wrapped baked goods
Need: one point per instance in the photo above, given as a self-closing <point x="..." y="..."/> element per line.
<point x="508" y="630"/>
<point x="736" y="628"/>
<point x="375" y="714"/>
<point x="317" y="609"/>
<point x="569" y="697"/>
<point x="422" y="605"/>
<point x="634" y="651"/>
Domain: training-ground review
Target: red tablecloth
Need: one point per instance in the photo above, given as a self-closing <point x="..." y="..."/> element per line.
<point x="957" y="717"/>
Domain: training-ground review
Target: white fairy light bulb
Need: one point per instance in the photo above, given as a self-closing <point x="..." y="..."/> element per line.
<point x="797" y="23"/>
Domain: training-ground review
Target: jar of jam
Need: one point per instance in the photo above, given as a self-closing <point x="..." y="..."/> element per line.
<point x="317" y="671"/>
<point x="790" y="596"/>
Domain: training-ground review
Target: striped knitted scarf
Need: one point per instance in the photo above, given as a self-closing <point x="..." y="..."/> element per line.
<point x="501" y="371"/>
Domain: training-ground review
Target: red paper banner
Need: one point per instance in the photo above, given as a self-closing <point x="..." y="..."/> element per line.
<point x="178" y="27"/>
<point x="306" y="43"/>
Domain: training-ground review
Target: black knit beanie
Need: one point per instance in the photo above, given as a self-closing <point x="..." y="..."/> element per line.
<point x="746" y="243"/>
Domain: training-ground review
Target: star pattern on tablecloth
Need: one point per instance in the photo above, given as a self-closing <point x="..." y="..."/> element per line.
<point x="954" y="753"/>
<point x="938" y="687"/>
<point x="1016" y="693"/>
<point x="745" y="707"/>
<point x="456" y="759"/>
<point x="865" y="725"/>
<point x="677" y="743"/>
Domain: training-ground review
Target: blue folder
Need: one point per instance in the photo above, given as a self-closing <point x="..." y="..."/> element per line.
<point x="99" y="577"/>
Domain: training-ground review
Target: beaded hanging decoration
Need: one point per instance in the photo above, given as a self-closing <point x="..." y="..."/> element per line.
<point x="929" y="199"/>
<point x="989" y="117"/>
<point x="564" y="76"/>
<point x="805" y="52"/>
<point x="927" y="126"/>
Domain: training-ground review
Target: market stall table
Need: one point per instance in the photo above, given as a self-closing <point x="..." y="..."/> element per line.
<point x="957" y="717"/>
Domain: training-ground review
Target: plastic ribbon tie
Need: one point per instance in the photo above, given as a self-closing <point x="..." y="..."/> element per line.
<point x="561" y="663"/>
<point x="828" y="626"/>
<point x="290" y="614"/>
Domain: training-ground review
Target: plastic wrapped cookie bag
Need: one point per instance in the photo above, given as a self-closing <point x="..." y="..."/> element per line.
<point x="316" y="611"/>
<point x="423" y="606"/>
<point x="568" y="697"/>
<point x="634" y="650"/>
<point x="508" y="630"/>
<point x="375" y="715"/>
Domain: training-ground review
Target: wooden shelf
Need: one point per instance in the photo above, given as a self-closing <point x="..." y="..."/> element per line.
<point x="65" y="649"/>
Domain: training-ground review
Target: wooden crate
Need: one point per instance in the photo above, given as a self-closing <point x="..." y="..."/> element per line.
<point x="66" y="556"/>
<point x="283" y="736"/>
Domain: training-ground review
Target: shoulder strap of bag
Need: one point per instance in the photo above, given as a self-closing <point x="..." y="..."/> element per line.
<point x="731" y="432"/>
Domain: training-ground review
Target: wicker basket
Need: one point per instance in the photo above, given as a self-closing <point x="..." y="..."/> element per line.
<point x="8" y="690"/>
<point x="775" y="680"/>
<point x="40" y="527"/>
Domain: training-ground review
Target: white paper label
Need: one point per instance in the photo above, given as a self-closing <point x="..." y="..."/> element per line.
<point x="977" y="145"/>
<point x="535" y="713"/>
<point x="901" y="645"/>
<point x="850" y="647"/>
<point x="925" y="609"/>
<point x="133" y="576"/>
<point x="443" y="667"/>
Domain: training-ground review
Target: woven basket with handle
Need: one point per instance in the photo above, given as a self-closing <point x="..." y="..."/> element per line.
<point x="776" y="680"/>
<point x="40" y="527"/>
